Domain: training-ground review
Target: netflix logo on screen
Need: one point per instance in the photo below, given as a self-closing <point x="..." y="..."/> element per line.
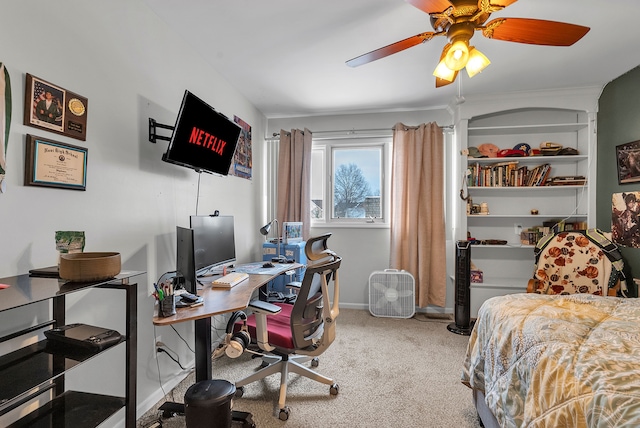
<point x="208" y="141"/>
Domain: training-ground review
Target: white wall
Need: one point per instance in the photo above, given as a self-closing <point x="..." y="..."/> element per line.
<point x="127" y="63"/>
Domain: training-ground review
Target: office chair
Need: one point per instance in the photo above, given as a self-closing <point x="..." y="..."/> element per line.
<point x="583" y="261"/>
<point x="289" y="334"/>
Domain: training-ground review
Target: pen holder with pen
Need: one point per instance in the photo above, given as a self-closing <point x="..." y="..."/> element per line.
<point x="167" y="306"/>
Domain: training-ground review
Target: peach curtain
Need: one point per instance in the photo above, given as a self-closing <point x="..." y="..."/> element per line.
<point x="294" y="179"/>
<point x="417" y="210"/>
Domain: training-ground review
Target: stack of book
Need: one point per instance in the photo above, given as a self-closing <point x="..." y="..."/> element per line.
<point x="507" y="174"/>
<point x="567" y="180"/>
<point x="532" y="235"/>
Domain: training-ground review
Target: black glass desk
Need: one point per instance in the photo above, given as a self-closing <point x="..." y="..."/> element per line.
<point x="39" y="367"/>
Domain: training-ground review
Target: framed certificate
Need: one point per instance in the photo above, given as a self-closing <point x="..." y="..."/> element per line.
<point x="53" y="164"/>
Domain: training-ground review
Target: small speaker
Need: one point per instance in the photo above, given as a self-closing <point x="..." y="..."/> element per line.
<point x="462" y="305"/>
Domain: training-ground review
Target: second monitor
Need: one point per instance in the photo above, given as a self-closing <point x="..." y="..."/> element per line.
<point x="213" y="243"/>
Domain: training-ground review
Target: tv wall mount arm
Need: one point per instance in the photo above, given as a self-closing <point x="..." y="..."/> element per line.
<point x="153" y="136"/>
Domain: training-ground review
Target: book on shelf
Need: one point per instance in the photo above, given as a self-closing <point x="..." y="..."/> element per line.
<point x="507" y="174"/>
<point x="533" y="234"/>
<point x="568" y="180"/>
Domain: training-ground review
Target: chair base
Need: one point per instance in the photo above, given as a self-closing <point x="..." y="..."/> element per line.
<point x="284" y="365"/>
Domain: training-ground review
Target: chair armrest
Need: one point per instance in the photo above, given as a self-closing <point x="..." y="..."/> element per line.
<point x="262" y="310"/>
<point x="294" y="284"/>
<point x="262" y="307"/>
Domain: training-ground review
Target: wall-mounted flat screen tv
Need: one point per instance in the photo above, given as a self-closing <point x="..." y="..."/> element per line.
<point x="202" y="138"/>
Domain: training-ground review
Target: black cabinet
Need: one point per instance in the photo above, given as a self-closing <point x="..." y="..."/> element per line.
<point x="38" y="370"/>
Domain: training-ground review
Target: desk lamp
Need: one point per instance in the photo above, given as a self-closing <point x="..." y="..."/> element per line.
<point x="264" y="230"/>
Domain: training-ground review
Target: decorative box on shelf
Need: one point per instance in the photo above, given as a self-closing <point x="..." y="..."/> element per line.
<point x="476" y="276"/>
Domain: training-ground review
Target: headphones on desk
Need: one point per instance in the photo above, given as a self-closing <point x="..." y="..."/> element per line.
<point x="237" y="342"/>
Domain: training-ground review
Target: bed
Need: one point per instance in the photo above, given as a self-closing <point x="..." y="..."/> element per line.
<point x="556" y="361"/>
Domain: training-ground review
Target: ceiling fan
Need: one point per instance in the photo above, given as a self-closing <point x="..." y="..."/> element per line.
<point x="459" y="19"/>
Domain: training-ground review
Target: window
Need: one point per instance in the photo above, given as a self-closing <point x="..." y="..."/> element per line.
<point x="349" y="181"/>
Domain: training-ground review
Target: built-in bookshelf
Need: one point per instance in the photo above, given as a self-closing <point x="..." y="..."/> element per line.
<point x="513" y="201"/>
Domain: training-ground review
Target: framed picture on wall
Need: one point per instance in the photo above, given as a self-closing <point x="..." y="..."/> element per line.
<point x="50" y="107"/>
<point x="50" y="163"/>
<point x="625" y="215"/>
<point x="628" y="159"/>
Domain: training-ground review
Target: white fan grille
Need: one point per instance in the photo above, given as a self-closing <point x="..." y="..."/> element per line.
<point x="392" y="294"/>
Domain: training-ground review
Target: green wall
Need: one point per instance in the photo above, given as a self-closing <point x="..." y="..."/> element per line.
<point x="618" y="123"/>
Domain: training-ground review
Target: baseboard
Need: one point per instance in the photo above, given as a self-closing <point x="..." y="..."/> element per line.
<point x="428" y="309"/>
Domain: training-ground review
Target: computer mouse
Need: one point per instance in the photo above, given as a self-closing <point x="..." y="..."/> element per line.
<point x="268" y="265"/>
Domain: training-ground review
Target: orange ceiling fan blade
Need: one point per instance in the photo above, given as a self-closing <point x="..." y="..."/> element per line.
<point x="391" y="49"/>
<point x="534" y="31"/>
<point x="431" y="6"/>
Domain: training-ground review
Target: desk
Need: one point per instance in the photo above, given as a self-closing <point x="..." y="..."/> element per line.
<point x="216" y="302"/>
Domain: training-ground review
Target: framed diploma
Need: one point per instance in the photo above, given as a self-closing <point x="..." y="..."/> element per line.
<point x="50" y="107"/>
<point x="52" y="164"/>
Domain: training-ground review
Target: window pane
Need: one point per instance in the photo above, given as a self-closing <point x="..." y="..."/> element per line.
<point x="317" y="184"/>
<point x="357" y="182"/>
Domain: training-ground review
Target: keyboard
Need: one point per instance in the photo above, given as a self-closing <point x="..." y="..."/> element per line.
<point x="229" y="280"/>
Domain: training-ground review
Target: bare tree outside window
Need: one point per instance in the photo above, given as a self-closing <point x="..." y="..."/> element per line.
<point x="350" y="191"/>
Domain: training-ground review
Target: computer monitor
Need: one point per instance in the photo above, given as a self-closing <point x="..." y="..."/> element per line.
<point x="185" y="265"/>
<point x="213" y="242"/>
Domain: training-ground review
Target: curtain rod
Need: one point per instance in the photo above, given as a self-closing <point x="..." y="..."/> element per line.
<point x="344" y="134"/>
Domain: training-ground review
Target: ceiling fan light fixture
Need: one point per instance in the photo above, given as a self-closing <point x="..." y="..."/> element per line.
<point x="457" y="56"/>
<point x="477" y="62"/>
<point x="443" y="72"/>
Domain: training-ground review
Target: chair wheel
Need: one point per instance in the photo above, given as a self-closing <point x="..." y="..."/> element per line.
<point x="284" y="413"/>
<point x="239" y="392"/>
<point x="315" y="362"/>
<point x="334" y="389"/>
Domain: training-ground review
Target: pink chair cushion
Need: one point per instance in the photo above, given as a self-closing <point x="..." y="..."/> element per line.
<point x="278" y="325"/>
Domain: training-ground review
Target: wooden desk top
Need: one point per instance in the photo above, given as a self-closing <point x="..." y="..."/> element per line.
<point x="219" y="301"/>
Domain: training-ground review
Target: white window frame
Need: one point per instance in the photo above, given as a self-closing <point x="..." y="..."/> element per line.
<point x="326" y="146"/>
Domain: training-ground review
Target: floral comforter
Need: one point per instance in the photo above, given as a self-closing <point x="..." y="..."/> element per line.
<point x="557" y="361"/>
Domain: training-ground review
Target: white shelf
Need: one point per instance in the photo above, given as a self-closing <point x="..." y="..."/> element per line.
<point x="526" y="129"/>
<point x="507" y="282"/>
<point x="503" y="247"/>
<point x="529" y="159"/>
<point x="523" y="188"/>
<point x="543" y="216"/>
<point x="508" y="268"/>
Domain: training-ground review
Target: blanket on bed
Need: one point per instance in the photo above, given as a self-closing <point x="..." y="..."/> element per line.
<point x="557" y="361"/>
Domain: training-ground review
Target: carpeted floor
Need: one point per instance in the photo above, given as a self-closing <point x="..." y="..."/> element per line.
<point x="391" y="373"/>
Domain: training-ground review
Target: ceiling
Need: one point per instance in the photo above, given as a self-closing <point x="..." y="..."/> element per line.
<point x="288" y="56"/>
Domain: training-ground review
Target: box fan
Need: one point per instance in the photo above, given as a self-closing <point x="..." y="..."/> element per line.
<point x="392" y="294"/>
